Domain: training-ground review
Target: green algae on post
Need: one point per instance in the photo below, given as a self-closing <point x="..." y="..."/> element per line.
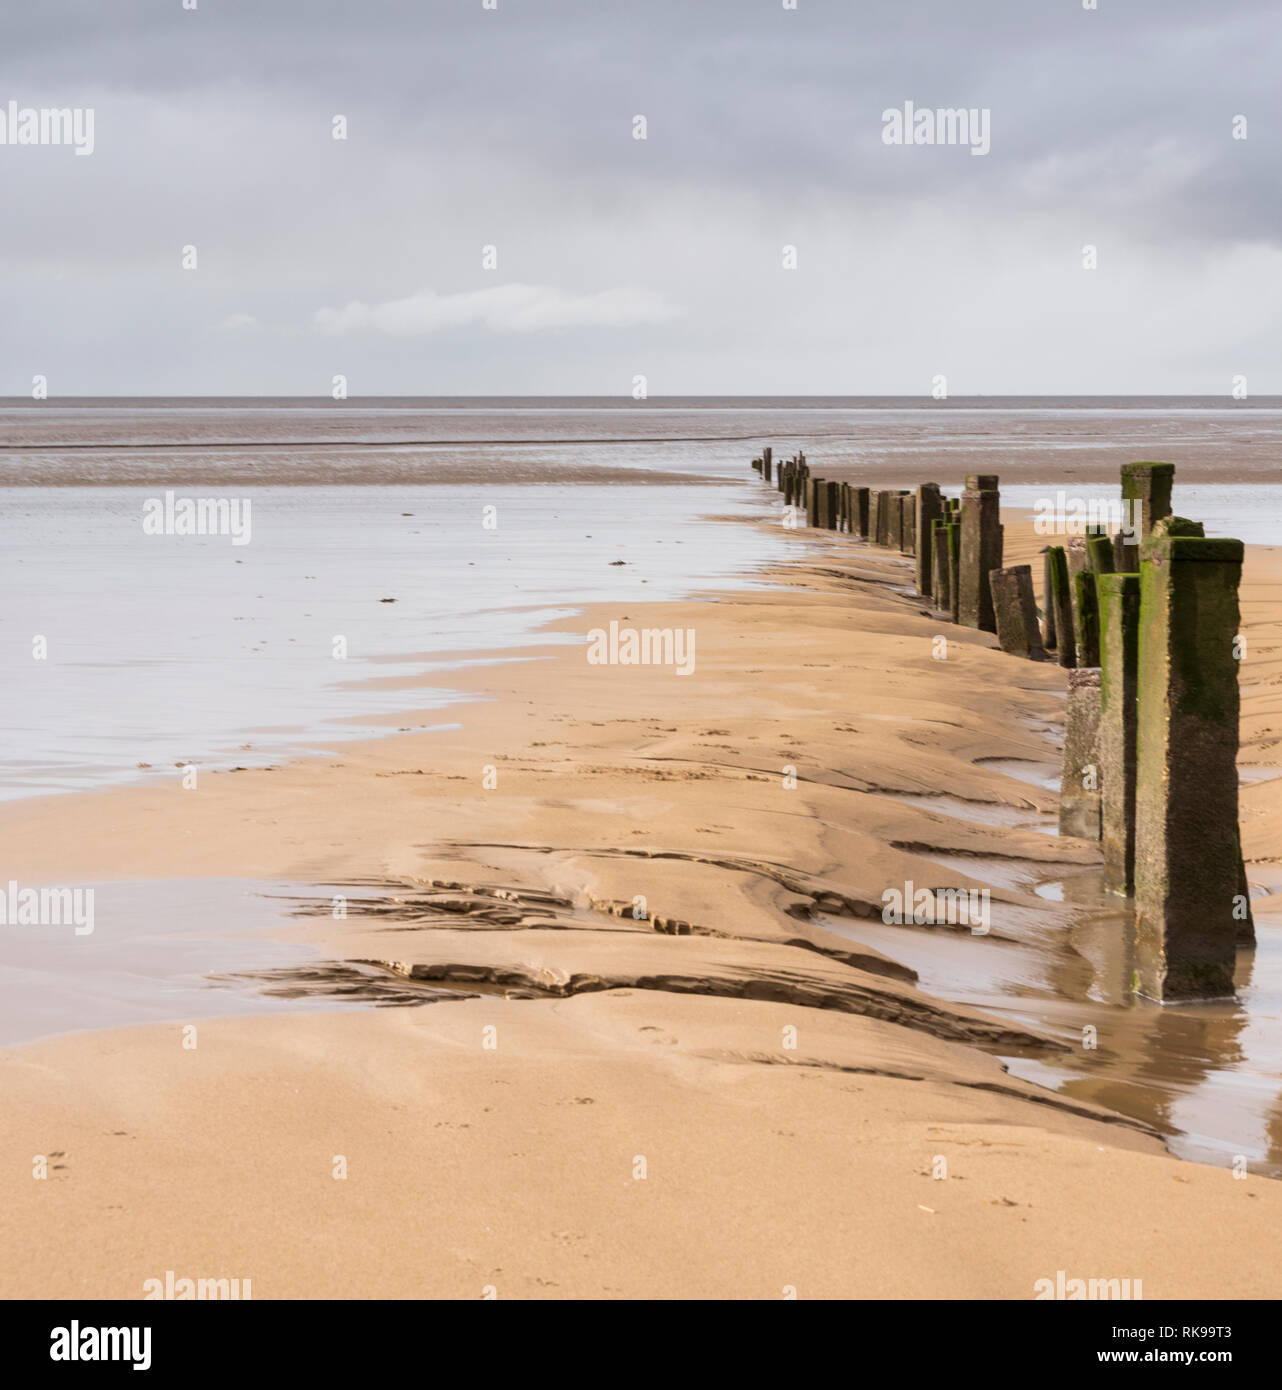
<point x="1188" y="879"/>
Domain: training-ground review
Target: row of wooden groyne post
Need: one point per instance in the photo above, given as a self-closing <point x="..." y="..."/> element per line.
<point x="1146" y="621"/>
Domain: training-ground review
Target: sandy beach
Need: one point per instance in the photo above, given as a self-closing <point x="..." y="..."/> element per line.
<point x="652" y="1055"/>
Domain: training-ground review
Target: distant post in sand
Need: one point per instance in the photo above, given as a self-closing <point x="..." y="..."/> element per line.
<point x="954" y="568"/>
<point x="766" y="455"/>
<point x="834" y="506"/>
<point x="1015" y="610"/>
<point x="1061" y="605"/>
<point x="814" y="490"/>
<point x="908" y="523"/>
<point x="1079" y="785"/>
<point x="1048" y="606"/>
<point x="1100" y="558"/>
<point x="894" y="519"/>
<point x="882" y="505"/>
<point x="1087" y="618"/>
<point x="1147" y="486"/>
<point x="929" y="509"/>
<point x="939" y="574"/>
<point x="1119" y="606"/>
<point x="1190" y="905"/>
<point x="981" y="550"/>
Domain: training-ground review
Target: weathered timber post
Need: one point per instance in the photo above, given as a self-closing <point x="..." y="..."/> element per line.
<point x="834" y="506"/>
<point x="1048" y="605"/>
<point x="981" y="550"/>
<point x="861" y="505"/>
<point x="895" y="520"/>
<point x="1079" y="785"/>
<point x="940" y="572"/>
<point x="1062" y="605"/>
<point x="954" y="567"/>
<point x="1015" y="610"/>
<point x="1087" y="618"/>
<point x="929" y="510"/>
<point x="1099" y="555"/>
<point x="1119" y="603"/>
<point x="1188" y="867"/>
<point x="1146" y="487"/>
<point x="884" y="517"/>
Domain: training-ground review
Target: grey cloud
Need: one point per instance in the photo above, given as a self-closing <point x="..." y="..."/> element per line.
<point x="513" y="127"/>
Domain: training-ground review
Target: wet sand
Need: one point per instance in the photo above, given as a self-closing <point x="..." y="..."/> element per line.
<point x="731" y="1095"/>
<point x="890" y="440"/>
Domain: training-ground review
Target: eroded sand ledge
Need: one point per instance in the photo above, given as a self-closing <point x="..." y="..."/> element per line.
<point x="767" y="1167"/>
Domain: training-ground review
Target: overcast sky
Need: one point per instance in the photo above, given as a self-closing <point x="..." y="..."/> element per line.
<point x="514" y="128"/>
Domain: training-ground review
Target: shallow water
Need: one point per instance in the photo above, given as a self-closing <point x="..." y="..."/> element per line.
<point x="1207" y="1076"/>
<point x="148" y="959"/>
<point x="168" y="649"/>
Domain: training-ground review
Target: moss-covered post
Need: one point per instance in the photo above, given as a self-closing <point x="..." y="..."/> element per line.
<point x="1188" y="880"/>
<point x="1075" y="553"/>
<point x="1015" y="610"/>
<point x="929" y="510"/>
<point x="1099" y="555"/>
<point x="954" y="567"/>
<point x="1079" y="785"/>
<point x="981" y="550"/>
<point x="1119" y="606"/>
<point x="1087" y="618"/>
<point x="1062" y="605"/>
<point x="1146" y="492"/>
